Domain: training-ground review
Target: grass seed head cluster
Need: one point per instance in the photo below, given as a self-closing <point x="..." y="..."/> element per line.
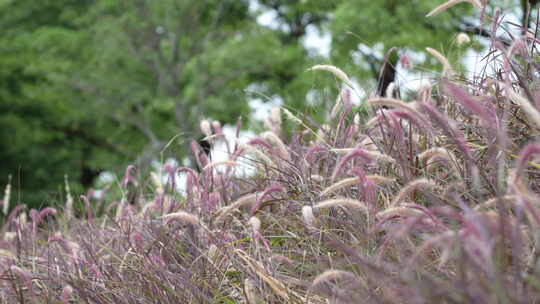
<point x="429" y="200"/>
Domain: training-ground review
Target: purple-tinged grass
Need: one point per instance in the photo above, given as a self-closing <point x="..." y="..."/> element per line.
<point x="435" y="200"/>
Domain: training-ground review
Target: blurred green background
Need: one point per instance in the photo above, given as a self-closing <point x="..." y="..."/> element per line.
<point x="92" y="86"/>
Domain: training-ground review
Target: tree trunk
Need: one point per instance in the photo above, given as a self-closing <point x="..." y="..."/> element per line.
<point x="88" y="175"/>
<point x="526" y="8"/>
<point x="387" y="73"/>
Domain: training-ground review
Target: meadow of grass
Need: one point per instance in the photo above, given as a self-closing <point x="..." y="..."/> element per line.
<point x="429" y="200"/>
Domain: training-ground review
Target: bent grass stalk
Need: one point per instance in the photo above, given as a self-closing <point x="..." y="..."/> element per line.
<point x="450" y="3"/>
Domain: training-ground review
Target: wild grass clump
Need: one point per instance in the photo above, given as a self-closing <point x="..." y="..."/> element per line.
<point x="429" y="200"/>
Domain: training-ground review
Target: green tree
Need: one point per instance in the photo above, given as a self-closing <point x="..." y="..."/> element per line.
<point x="87" y="86"/>
<point x="364" y="31"/>
<point x="292" y="22"/>
<point x="360" y="26"/>
<point x="100" y="84"/>
<point x="159" y="67"/>
<point x="36" y="146"/>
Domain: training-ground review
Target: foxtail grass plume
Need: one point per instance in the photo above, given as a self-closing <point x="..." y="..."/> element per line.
<point x="312" y="153"/>
<point x="492" y="202"/>
<point x="451" y="3"/>
<point x="373" y="154"/>
<point x="9" y="236"/>
<point x="248" y="199"/>
<point x="255" y="223"/>
<point x="374" y="121"/>
<point x="334" y="70"/>
<point x="368" y="144"/>
<point x="443" y="240"/>
<point x="299" y="122"/>
<point x="206" y="127"/>
<point x="67" y="294"/>
<point x="527" y="107"/>
<point x="71" y="247"/>
<point x="68" y="213"/>
<point x="417" y="184"/>
<point x="120" y="208"/>
<point x="89" y="211"/>
<point x="357" y="152"/>
<point x="342" y="101"/>
<point x="356" y="120"/>
<point x="425" y="93"/>
<point x="23" y="219"/>
<point x="260" y="155"/>
<point x="249" y="290"/>
<point x="317" y="178"/>
<point x="340" y="185"/>
<point x="448" y="71"/>
<point x="307" y="215"/>
<point x="436" y="151"/>
<point x="228" y="163"/>
<point x="472" y="104"/>
<point x="346" y="202"/>
<point x="291" y="117"/>
<point x="281" y="147"/>
<point x="396" y="103"/>
<point x="405" y="62"/>
<point x="7" y="197"/>
<point x="380" y="179"/>
<point x="398" y="211"/>
<point x="462" y="39"/>
<point x="337" y="107"/>
<point x="439" y="153"/>
<point x="183" y="216"/>
<point x="157" y="183"/>
<point x="275" y="115"/>
<point x="213" y="253"/>
<point x="333" y="275"/>
<point x="44" y="213"/>
<point x="322" y="134"/>
<point x="218" y="131"/>
<point x="270" y="189"/>
<point x="376" y="179"/>
<point x="526" y="153"/>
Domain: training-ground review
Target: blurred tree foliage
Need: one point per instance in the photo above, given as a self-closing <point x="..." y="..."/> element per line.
<point x="364" y="31"/>
<point x="87" y="86"/>
<point x="44" y="133"/>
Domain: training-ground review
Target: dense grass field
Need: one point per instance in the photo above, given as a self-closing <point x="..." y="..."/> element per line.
<point x="433" y="199"/>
